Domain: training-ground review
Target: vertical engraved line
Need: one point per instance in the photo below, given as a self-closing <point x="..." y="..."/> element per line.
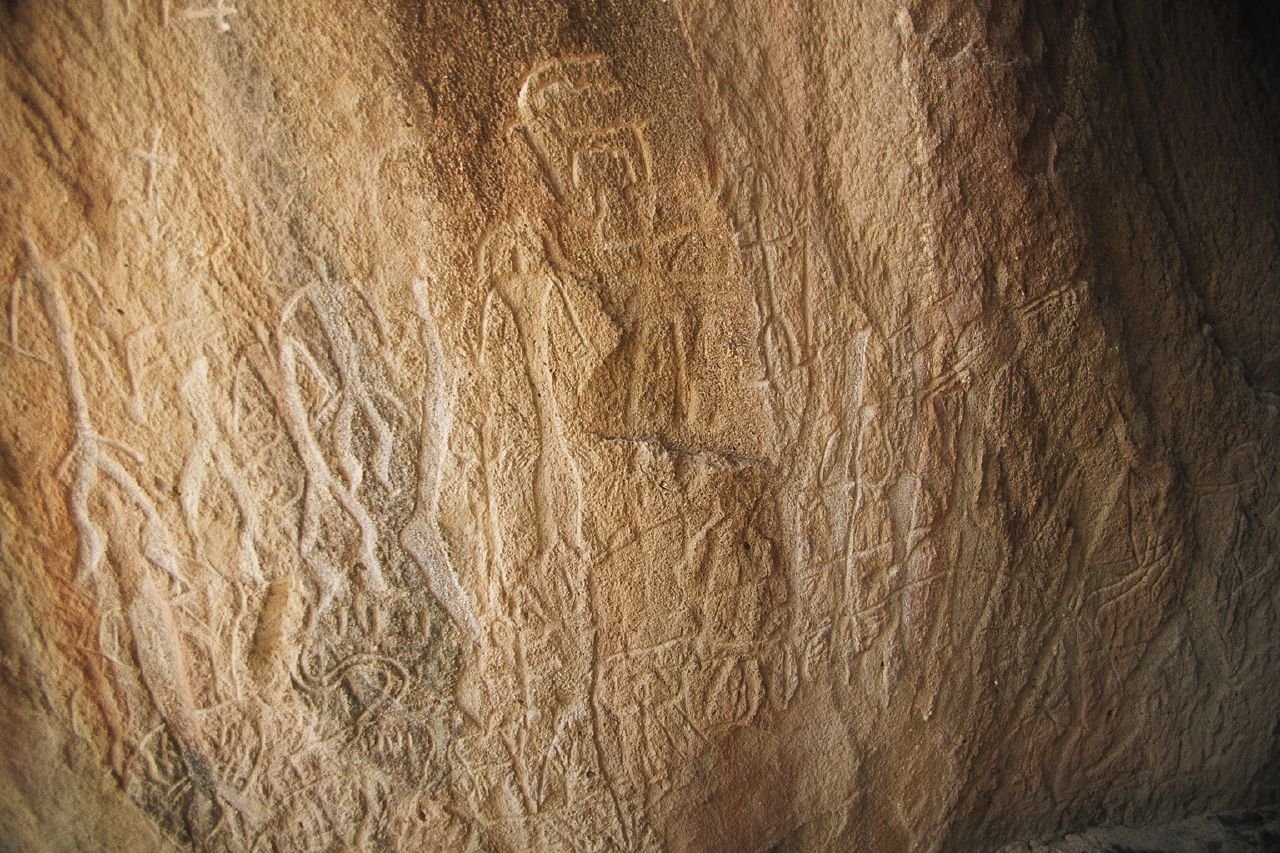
<point x="421" y="536"/>
<point x="92" y="548"/>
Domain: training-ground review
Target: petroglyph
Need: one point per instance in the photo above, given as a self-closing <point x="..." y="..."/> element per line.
<point x="92" y="455"/>
<point x="691" y="426"/>
<point x="210" y="449"/>
<point x="326" y="490"/>
<point x="110" y="539"/>
<point x="421" y="537"/>
<point x="563" y="109"/>
<point x="515" y="261"/>
<point x="154" y="161"/>
<point x="219" y="12"/>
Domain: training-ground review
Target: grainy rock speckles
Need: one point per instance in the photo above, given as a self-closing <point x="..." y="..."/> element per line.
<point x="684" y="425"/>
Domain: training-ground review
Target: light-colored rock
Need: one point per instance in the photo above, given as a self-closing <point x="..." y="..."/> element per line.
<point x="658" y="425"/>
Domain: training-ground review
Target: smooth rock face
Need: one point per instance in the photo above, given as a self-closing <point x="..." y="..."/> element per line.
<point x="649" y="425"/>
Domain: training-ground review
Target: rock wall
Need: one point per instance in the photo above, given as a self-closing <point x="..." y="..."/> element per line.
<point x="637" y="425"/>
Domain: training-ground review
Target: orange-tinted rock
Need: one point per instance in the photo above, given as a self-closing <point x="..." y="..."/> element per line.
<point x="658" y="425"/>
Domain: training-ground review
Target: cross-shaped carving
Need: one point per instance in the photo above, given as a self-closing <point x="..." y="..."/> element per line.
<point x="154" y="160"/>
<point x="218" y="12"/>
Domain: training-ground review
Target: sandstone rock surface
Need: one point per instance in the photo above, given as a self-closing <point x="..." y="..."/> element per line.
<point x="690" y="425"/>
<point x="1247" y="831"/>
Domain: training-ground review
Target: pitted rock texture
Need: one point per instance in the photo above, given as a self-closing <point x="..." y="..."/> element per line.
<point x="691" y="425"/>
<point x="1247" y="831"/>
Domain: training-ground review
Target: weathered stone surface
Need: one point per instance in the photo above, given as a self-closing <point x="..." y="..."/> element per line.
<point x="641" y="425"/>
<point x="1247" y="831"/>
